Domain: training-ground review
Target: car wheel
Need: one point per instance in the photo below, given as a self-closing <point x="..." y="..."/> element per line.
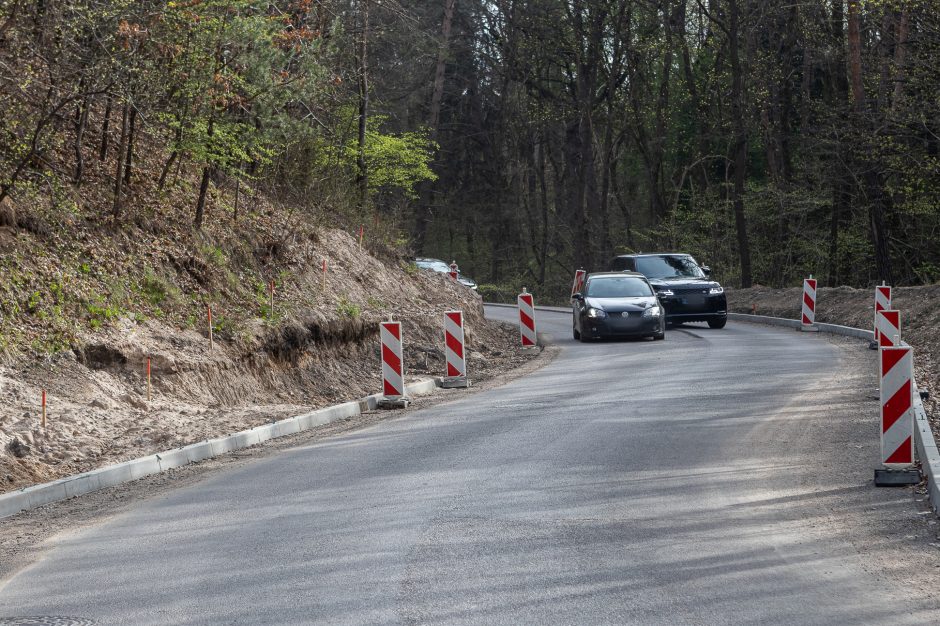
<point x="659" y="336"/>
<point x="720" y="323"/>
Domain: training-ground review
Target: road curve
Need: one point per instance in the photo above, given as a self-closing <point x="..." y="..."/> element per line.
<point x="718" y="477"/>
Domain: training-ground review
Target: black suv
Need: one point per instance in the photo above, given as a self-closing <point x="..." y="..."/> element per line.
<point x="684" y="289"/>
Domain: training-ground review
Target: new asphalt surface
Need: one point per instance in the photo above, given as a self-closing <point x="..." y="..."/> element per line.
<point x="718" y="477"/>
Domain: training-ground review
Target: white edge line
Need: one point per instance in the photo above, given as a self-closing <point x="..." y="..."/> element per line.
<point x="64" y="488"/>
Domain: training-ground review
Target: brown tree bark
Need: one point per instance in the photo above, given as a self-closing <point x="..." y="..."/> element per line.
<point x="119" y="168"/>
<point x="739" y="157"/>
<point x="362" y="178"/>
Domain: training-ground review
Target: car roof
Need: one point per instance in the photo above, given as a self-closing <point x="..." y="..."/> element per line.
<point x="622" y="256"/>
<point x="616" y="275"/>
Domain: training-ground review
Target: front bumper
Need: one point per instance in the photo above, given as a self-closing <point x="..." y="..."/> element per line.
<point x="694" y="307"/>
<point x="616" y="325"/>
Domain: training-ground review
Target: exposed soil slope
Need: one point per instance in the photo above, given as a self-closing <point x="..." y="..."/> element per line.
<point x="321" y="348"/>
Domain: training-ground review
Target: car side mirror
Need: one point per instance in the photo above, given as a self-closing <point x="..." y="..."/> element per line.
<point x="578" y="296"/>
<point x="707" y="270"/>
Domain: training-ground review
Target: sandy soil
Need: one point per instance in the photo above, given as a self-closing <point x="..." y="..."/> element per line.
<point x="322" y="353"/>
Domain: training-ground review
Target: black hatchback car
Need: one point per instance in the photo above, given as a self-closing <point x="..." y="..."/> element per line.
<point x="683" y="287"/>
<point x="617" y="304"/>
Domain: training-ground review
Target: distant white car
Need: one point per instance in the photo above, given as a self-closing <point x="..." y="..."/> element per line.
<point x="437" y="265"/>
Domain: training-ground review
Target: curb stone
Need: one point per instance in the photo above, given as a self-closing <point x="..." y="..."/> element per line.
<point x="64" y="488"/>
<point x="924" y="437"/>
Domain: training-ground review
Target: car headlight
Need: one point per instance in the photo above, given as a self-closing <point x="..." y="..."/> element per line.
<point x="714" y="291"/>
<point x="596" y="313"/>
<point x="665" y="292"/>
<point x="653" y="311"/>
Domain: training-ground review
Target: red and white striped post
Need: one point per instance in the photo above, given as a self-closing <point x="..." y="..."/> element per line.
<point x="578" y="284"/>
<point x="455" y="351"/>
<point x="527" y="319"/>
<point x="809" y="304"/>
<point x="882" y="303"/>
<point x="888" y="328"/>
<point x="896" y="365"/>
<point x="393" y="366"/>
<point x="454" y="270"/>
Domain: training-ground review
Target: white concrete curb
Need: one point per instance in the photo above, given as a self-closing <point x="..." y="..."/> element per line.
<point x="71" y="486"/>
<point x="924" y="437"/>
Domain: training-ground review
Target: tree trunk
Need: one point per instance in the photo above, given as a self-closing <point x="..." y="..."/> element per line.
<point x="363" y="175"/>
<point x="874" y="187"/>
<point x="740" y="141"/>
<point x="119" y="168"/>
<point x="80" y="125"/>
<point x="437" y="94"/>
<point x="204" y="184"/>
<point x="129" y="159"/>
<point x="105" y="128"/>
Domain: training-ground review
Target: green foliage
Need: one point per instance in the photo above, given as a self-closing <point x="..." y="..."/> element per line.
<point x="347" y="309"/>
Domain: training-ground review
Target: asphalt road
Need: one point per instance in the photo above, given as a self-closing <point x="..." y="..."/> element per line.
<point x="721" y="476"/>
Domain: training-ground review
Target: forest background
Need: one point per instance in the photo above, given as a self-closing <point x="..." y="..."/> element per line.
<point x="771" y="139"/>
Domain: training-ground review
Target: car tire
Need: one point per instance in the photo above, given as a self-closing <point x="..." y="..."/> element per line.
<point x="719" y="323"/>
<point x="659" y="336"/>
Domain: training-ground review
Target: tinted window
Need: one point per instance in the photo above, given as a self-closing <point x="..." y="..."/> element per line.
<point x="668" y="267"/>
<point x="620" y="264"/>
<point x="616" y="287"/>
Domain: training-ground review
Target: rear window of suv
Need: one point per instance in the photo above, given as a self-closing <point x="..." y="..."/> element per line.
<point x="668" y="266"/>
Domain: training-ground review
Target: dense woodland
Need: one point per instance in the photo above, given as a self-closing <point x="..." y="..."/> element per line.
<point x="523" y="138"/>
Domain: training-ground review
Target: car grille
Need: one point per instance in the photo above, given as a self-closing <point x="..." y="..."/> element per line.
<point x="691" y="291"/>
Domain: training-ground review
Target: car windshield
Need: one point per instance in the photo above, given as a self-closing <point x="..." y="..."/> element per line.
<point x="668" y="267"/>
<point x="618" y="287"/>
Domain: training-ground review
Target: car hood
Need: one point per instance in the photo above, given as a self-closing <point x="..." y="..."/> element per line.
<point x="684" y="284"/>
<point x="619" y="305"/>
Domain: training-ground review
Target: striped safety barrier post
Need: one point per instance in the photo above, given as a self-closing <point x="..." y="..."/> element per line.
<point x="896" y="365"/>
<point x="882" y="303"/>
<point x="578" y="284"/>
<point x="393" y="367"/>
<point x="888" y="328"/>
<point x="527" y="319"/>
<point x="455" y="351"/>
<point x="809" y="304"/>
<point x="454" y="270"/>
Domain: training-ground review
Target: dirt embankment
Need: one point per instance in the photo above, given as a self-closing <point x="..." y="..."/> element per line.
<point x="920" y="320"/>
<point x="323" y="350"/>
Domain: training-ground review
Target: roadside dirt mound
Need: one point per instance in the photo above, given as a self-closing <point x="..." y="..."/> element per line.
<point x="920" y="320"/>
<point x="324" y="349"/>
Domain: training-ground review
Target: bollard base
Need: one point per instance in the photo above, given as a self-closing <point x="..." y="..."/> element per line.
<point x="394" y="403"/>
<point x="455" y="382"/>
<point x="896" y="478"/>
<point x="531" y="350"/>
<point x="809" y="329"/>
<point x="873" y="345"/>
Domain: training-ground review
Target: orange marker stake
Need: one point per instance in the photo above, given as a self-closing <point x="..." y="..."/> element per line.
<point x="43" y="408"/>
<point x="362" y="232"/>
<point x="148" y="379"/>
<point x="209" y="309"/>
